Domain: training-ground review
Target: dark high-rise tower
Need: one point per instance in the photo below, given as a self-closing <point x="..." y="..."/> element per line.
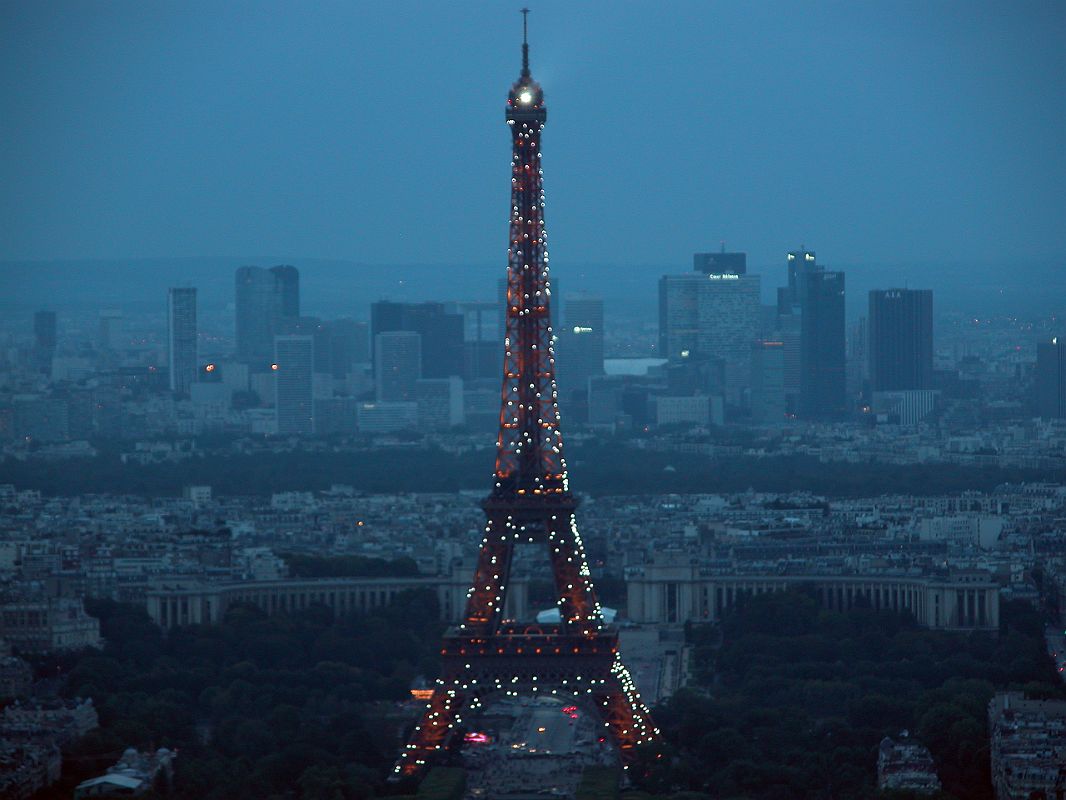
<point x="268" y="301"/>
<point x="397" y="365"/>
<point x="720" y="263"/>
<point x="530" y="503"/>
<point x="901" y="339"/>
<point x="816" y="296"/>
<point x="441" y="331"/>
<point x="293" y="363"/>
<point x="44" y="340"/>
<point x="822" y="350"/>
<point x="581" y="344"/>
<point x="1051" y="379"/>
<point x="181" y="339"/>
<point x="799" y="261"/>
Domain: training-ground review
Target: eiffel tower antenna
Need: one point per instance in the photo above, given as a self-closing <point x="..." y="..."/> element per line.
<point x="525" y="42"/>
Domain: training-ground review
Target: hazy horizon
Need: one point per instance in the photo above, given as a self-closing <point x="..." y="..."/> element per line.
<point x="333" y="287"/>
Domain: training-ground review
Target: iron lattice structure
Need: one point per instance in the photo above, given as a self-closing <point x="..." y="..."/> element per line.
<point x="530" y="503"/>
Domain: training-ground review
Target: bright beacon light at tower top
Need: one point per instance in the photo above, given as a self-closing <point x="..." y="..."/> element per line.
<point x="525" y="102"/>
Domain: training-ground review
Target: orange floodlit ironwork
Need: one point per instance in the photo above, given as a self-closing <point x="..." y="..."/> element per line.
<point x="530" y="503"/>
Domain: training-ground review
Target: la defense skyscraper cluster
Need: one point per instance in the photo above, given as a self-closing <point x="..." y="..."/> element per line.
<point x="530" y="503"/>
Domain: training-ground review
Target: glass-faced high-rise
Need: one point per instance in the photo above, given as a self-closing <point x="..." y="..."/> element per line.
<point x="901" y="339"/>
<point x="267" y="301"/>
<point x="293" y="362"/>
<point x="181" y="339"/>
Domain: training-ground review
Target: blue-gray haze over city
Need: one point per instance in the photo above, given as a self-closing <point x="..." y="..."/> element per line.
<point x="917" y="141"/>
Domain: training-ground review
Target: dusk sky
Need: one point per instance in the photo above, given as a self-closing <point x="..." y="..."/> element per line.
<point x="888" y="132"/>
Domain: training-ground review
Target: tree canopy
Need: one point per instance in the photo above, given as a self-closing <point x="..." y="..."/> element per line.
<point x="792" y="700"/>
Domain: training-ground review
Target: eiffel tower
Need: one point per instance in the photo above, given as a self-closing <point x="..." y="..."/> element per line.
<point x="530" y="504"/>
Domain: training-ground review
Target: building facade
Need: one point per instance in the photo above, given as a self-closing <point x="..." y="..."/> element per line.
<point x="397" y="365"/>
<point x="900" y="341"/>
<point x="768" y="381"/>
<point x="442" y="330"/>
<point x="822" y="348"/>
<point x="44" y="340"/>
<point x="1027" y="747"/>
<point x="440" y="403"/>
<point x="294" y="384"/>
<point x="48" y="625"/>
<point x="721" y="262"/>
<point x="175" y="603"/>
<point x="1051" y="379"/>
<point x="265" y="300"/>
<point x="679" y="593"/>
<point x="579" y="351"/>
<point x="713" y="316"/>
<point x="181" y="339"/>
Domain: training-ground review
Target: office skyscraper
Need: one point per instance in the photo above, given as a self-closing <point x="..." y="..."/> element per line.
<point x="901" y="339"/>
<point x="349" y="345"/>
<point x="440" y="403"/>
<point x="579" y="351"/>
<point x="721" y="262"/>
<point x="44" y="340"/>
<point x="816" y="296"/>
<point x="799" y="262"/>
<point x="479" y="320"/>
<point x="442" y="339"/>
<point x="789" y="333"/>
<point x="1051" y="379"/>
<point x="255" y="308"/>
<point x="110" y="335"/>
<point x="706" y="316"/>
<point x="397" y="365"/>
<point x="385" y="317"/>
<point x="482" y="349"/>
<point x="181" y="339"/>
<point x="768" y="381"/>
<point x="318" y="330"/>
<point x="265" y="299"/>
<point x="287" y="281"/>
<point x="678" y="315"/>
<point x="822" y="389"/>
<point x="441" y="331"/>
<point x="858" y="355"/>
<point x="293" y="365"/>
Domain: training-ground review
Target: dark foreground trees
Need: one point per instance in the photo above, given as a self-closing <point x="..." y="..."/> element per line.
<point x="796" y="700"/>
<point x="791" y="704"/>
<point x="301" y="706"/>
<point x="599" y="467"/>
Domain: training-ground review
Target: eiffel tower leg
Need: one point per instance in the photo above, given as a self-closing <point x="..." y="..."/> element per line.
<point x="484" y="604"/>
<point x="624" y="713"/>
<point x="577" y="599"/>
<point x="433" y="733"/>
<point x="618" y="719"/>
